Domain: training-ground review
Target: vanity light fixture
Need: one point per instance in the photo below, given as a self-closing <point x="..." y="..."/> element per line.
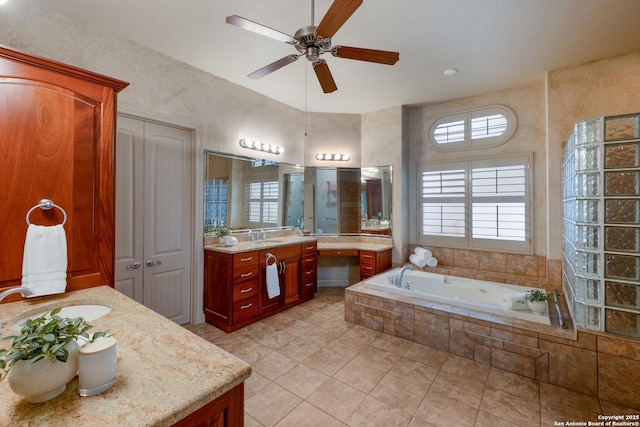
<point x="334" y="157"/>
<point x="259" y="146"/>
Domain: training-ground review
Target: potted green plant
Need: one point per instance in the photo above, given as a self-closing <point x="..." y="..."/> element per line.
<point x="44" y="357"/>
<point x="221" y="233"/>
<point x="536" y="300"/>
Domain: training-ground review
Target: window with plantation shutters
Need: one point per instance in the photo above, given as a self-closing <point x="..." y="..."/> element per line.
<point x="481" y="127"/>
<point x="262" y="202"/>
<point x="477" y="204"/>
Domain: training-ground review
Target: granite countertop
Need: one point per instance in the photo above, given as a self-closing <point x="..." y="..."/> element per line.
<point x="363" y="246"/>
<point x="260" y="244"/>
<point x="164" y="372"/>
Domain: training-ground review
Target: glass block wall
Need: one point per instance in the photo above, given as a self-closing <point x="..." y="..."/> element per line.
<point x="601" y="223"/>
<point x="216" y="192"/>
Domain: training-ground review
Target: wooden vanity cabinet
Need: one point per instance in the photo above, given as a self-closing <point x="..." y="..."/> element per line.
<point x="57" y="126"/>
<point x="374" y="262"/>
<point x="288" y="265"/>
<point x="235" y="286"/>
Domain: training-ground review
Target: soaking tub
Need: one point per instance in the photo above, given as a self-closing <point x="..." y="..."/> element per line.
<point x="473" y="294"/>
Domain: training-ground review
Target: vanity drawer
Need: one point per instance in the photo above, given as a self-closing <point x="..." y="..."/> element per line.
<point x="245" y="309"/>
<point x="245" y="259"/>
<point x="308" y="287"/>
<point x="280" y="252"/>
<point x="245" y="290"/>
<point x="247" y="273"/>
<point x="310" y="248"/>
<point x="367" y="257"/>
<point x="339" y="252"/>
<point x="367" y="270"/>
<point x="309" y="259"/>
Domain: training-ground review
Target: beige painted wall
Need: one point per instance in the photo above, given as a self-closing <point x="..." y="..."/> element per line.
<point x="528" y="103"/>
<point x="601" y="88"/>
<point x="164" y="88"/>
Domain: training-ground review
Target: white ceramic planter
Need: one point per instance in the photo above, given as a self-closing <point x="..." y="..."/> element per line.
<point x="538" y="307"/>
<point x="44" y="379"/>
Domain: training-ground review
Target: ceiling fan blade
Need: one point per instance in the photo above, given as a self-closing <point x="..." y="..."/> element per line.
<point x="370" y="55"/>
<point x="336" y="16"/>
<point x="249" y="25"/>
<point x="324" y="76"/>
<point x="268" y="69"/>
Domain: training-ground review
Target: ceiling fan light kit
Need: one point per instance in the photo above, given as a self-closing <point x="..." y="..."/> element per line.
<point x="312" y="42"/>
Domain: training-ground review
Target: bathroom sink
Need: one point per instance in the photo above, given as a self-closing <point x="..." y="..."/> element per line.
<point x="88" y="312"/>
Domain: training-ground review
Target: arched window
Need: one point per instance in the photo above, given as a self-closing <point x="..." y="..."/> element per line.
<point x="481" y="127"/>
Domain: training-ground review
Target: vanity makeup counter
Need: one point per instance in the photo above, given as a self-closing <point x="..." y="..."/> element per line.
<point x="164" y="372"/>
<point x="374" y="253"/>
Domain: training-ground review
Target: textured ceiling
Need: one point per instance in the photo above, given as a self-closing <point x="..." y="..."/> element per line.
<point x="494" y="44"/>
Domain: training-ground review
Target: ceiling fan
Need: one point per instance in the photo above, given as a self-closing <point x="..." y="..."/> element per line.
<point x="312" y="42"/>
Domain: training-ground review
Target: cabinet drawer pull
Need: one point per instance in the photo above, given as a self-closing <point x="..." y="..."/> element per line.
<point x="243" y="307"/>
<point x="308" y="272"/>
<point x="246" y="259"/>
<point x="367" y="256"/>
<point x="310" y="284"/>
<point x="309" y="259"/>
<point x="309" y="248"/>
<point x="244" y="291"/>
<point x="366" y="267"/>
<point x="247" y="274"/>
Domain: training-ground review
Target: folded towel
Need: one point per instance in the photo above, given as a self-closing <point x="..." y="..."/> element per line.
<point x="514" y="301"/>
<point x="422" y="252"/>
<point x="273" y="283"/>
<point x="44" y="263"/>
<point x="432" y="262"/>
<point x="417" y="260"/>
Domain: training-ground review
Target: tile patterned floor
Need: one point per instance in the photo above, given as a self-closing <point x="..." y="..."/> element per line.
<point x="312" y="368"/>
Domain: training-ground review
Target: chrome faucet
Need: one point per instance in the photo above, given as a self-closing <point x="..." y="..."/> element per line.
<point x="24" y="291"/>
<point x="398" y="283"/>
<point x="18" y="289"/>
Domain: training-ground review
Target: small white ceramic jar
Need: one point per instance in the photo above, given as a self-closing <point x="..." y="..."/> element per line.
<point x="97" y="366"/>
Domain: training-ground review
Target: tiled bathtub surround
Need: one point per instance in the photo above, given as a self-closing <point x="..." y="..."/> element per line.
<point x="594" y="364"/>
<point x="526" y="270"/>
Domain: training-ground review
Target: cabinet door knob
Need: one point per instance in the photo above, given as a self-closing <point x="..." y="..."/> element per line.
<point x="134" y="266"/>
<point x="151" y="263"/>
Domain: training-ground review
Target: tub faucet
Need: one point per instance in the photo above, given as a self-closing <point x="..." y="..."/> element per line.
<point x="398" y="283"/>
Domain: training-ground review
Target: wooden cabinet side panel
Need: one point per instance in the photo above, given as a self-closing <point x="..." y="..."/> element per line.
<point x="217" y="286"/>
<point x="225" y="411"/>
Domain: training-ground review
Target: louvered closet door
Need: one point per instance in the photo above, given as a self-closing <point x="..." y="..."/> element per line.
<point x="160" y="277"/>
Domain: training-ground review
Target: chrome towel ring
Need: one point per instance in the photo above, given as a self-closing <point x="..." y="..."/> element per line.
<point x="270" y="256"/>
<point x="45" y="205"/>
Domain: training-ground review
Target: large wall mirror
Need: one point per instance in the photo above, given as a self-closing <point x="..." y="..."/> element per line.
<point x="242" y="193"/>
<point x="348" y="200"/>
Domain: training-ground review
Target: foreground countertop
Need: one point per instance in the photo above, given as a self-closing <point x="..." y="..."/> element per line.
<point x="164" y="372"/>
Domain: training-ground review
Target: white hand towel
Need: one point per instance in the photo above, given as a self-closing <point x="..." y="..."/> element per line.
<point x="432" y="262"/>
<point x="273" y="283"/>
<point x="424" y="253"/>
<point x="44" y="263"/>
<point x="417" y="260"/>
<point x="514" y="301"/>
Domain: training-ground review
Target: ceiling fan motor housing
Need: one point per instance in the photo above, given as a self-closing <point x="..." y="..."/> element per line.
<point x="310" y="43"/>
